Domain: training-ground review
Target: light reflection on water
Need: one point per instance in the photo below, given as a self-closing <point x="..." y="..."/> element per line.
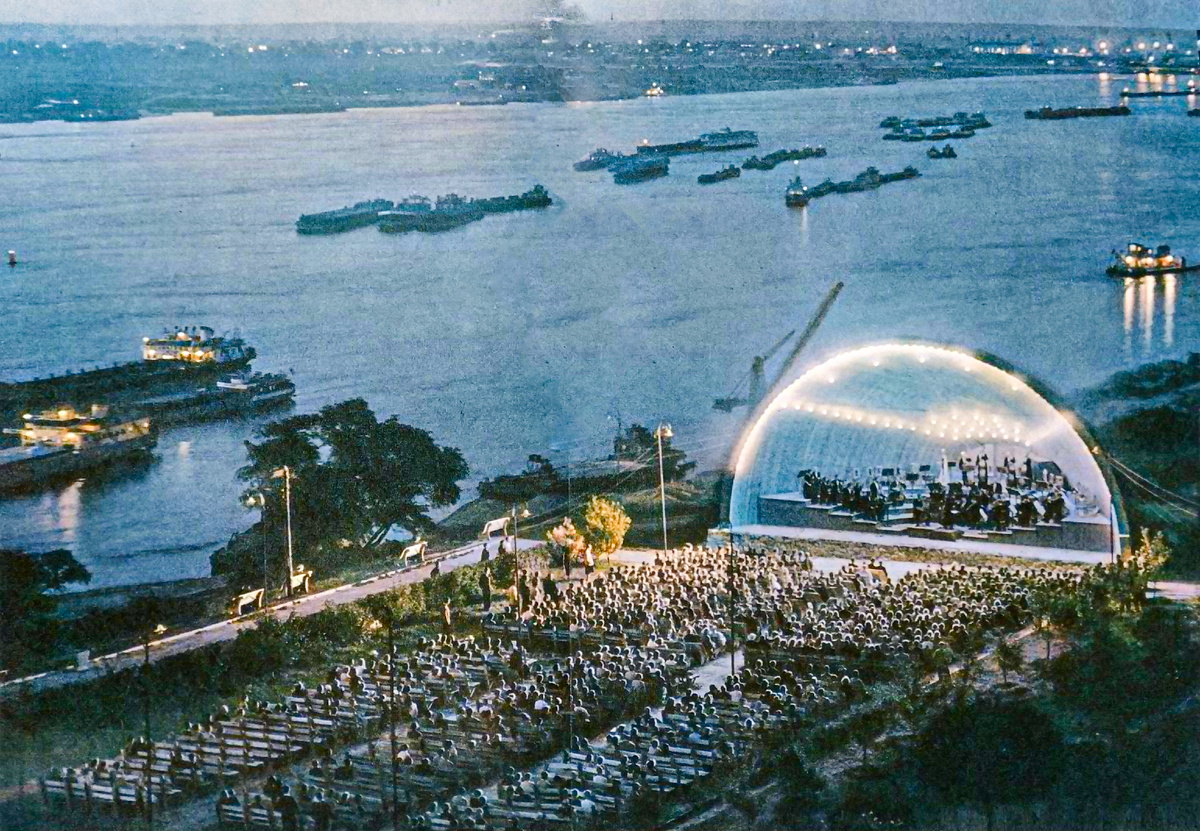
<point x="1140" y="313"/>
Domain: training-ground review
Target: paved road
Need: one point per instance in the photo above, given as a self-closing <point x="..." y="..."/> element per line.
<point x="226" y="630"/>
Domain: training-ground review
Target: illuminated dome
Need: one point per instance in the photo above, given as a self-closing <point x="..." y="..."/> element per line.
<point x="927" y="441"/>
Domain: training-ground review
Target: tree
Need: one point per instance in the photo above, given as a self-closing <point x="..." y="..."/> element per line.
<point x="1009" y="657"/>
<point x="27" y="626"/>
<point x="606" y="523"/>
<point x="566" y="543"/>
<point x="990" y="750"/>
<point x="354" y="478"/>
<point x="1146" y="563"/>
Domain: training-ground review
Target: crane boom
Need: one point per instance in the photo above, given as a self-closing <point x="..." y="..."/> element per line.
<point x="757" y="370"/>
<point x="778" y="345"/>
<point x="806" y="336"/>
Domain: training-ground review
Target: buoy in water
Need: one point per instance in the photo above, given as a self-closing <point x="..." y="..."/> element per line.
<point x="12" y="257"/>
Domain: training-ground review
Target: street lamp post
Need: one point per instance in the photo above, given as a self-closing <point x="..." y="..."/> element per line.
<point x="732" y="614"/>
<point x="150" y="635"/>
<point x="523" y="515"/>
<point x="286" y="473"/>
<point x="663" y="432"/>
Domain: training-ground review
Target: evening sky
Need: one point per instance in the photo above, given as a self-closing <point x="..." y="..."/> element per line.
<point x="1133" y="13"/>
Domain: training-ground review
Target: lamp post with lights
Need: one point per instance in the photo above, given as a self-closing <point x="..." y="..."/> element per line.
<point x="663" y="432"/>
<point x="285" y="473"/>
<point x="524" y="514"/>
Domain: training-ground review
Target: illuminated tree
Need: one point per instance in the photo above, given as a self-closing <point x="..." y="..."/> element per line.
<point x="606" y="523"/>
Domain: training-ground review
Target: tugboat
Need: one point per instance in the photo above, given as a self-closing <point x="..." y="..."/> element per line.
<point x="1140" y="261"/>
<point x="731" y="172"/>
<point x="641" y="168"/>
<point x="63" y="442"/>
<point x="598" y="159"/>
<point x="796" y="195"/>
<point x="946" y="152"/>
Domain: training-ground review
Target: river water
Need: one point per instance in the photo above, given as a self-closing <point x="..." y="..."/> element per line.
<point x="540" y="330"/>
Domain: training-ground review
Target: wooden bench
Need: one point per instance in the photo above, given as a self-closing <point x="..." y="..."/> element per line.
<point x="248" y="602"/>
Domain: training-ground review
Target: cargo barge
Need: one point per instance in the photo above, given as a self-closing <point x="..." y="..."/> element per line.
<point x="635" y="170"/>
<point x="1051" y="114"/>
<point x="724" y="139"/>
<point x="358" y="215"/>
<point x="797" y="195"/>
<point x="418" y="213"/>
<point x="235" y="396"/>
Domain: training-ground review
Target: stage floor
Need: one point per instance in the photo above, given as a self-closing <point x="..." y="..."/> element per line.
<point x="900" y="541"/>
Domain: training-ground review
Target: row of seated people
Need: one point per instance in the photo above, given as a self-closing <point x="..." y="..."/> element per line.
<point x="234" y="744"/>
<point x="444" y="744"/>
<point x="229" y="745"/>
<point x="808" y="634"/>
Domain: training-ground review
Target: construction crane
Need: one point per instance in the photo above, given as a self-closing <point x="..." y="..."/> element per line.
<point x="757" y="374"/>
<point x="754" y="376"/>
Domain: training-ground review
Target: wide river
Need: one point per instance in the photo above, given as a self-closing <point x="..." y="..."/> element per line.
<point x="536" y="331"/>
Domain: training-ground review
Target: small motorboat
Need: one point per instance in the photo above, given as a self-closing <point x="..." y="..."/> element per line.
<point x="1142" y="261"/>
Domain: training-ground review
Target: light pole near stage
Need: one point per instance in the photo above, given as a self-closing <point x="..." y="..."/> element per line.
<point x="523" y="515"/>
<point x="663" y="432"/>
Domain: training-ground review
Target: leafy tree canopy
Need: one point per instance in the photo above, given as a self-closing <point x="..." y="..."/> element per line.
<point x="26" y="626"/>
<point x="990" y="750"/>
<point x="354" y="477"/>
<point x="606" y="523"/>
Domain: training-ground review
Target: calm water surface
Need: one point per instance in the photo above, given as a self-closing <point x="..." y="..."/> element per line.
<point x="537" y="330"/>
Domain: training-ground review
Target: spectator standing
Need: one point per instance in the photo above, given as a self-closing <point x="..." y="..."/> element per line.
<point x="485" y="587"/>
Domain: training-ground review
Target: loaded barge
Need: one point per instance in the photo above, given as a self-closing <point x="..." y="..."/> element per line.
<point x="724" y="139"/>
<point x="358" y="215"/>
<point x="1051" y="114"/>
<point x="417" y="213"/>
<point x="771" y="160"/>
<point x="235" y="396"/>
<point x="797" y="195"/>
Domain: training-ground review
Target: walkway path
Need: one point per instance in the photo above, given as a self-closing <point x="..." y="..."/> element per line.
<point x="226" y="630"/>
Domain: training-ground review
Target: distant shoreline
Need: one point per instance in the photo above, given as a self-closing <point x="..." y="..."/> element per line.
<point x="431" y="100"/>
